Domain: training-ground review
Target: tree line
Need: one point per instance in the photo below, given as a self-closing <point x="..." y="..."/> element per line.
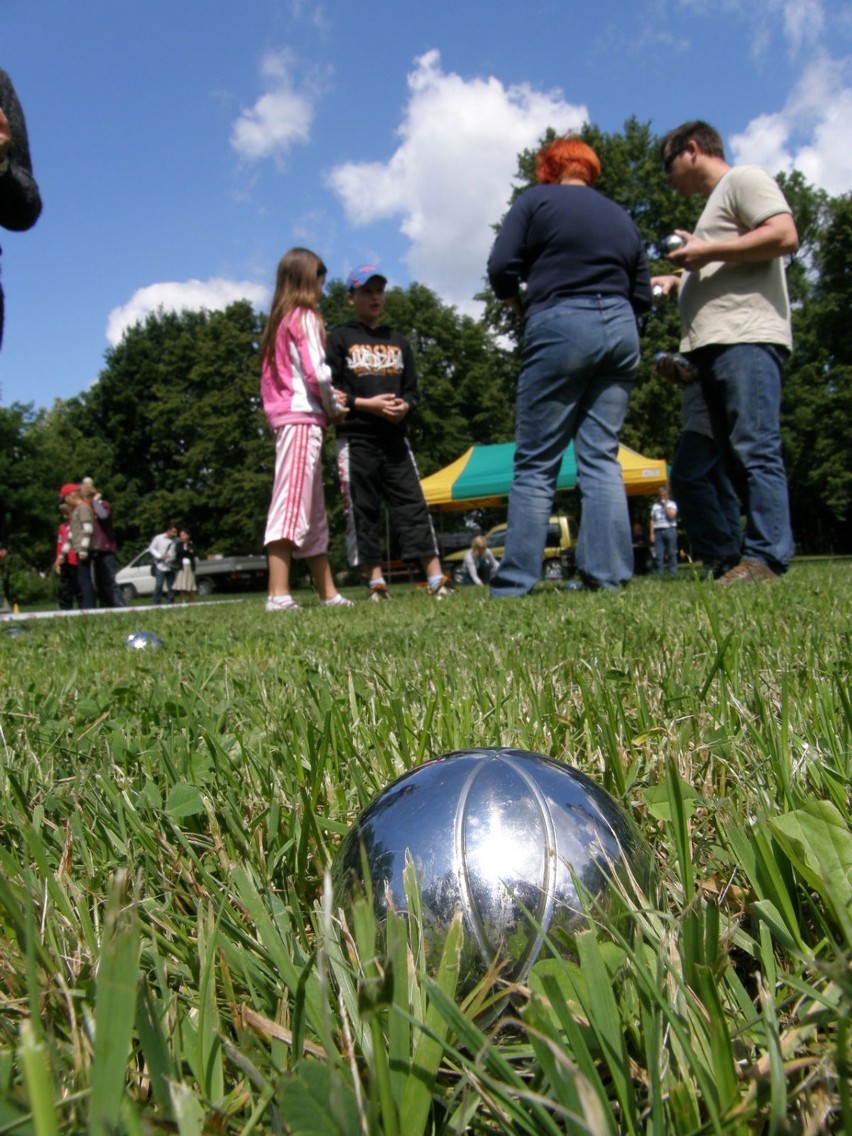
<point x="173" y="427"/>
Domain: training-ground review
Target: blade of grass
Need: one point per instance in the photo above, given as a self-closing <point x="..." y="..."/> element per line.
<point x="115" y="1008"/>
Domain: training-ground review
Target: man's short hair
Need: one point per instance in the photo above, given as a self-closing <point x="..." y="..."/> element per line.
<point x="706" y="138"/>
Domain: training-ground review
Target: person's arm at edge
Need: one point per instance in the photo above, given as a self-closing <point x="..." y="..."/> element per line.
<point x="20" y="200"/>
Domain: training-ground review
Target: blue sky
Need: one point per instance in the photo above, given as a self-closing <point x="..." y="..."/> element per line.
<point x="182" y="146"/>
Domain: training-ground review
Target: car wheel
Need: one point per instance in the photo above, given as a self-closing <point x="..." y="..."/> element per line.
<point x="205" y="587"/>
<point x="128" y="592"/>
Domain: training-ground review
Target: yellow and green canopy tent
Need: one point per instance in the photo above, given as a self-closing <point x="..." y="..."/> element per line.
<point x="483" y="476"/>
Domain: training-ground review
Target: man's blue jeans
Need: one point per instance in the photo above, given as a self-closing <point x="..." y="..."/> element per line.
<point x="167" y="579"/>
<point x="741" y="384"/>
<point x="579" y="362"/>
<point x="708" y="504"/>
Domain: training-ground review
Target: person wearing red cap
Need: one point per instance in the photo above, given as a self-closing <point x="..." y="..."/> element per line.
<point x="65" y="562"/>
<point x="81" y="526"/>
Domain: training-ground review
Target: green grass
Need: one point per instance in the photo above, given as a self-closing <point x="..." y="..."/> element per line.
<point x="169" y="958"/>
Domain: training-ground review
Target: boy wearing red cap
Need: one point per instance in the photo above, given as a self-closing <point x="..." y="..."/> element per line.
<point x="81" y="525"/>
<point x="373" y="365"/>
<point x="65" y="564"/>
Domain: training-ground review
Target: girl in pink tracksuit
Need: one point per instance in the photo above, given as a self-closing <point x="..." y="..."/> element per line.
<point x="299" y="402"/>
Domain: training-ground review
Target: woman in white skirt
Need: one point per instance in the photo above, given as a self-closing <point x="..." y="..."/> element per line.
<point x="185" y="584"/>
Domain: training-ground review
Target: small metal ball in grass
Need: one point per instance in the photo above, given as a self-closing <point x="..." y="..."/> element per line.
<point x="521" y="845"/>
<point x="143" y="641"/>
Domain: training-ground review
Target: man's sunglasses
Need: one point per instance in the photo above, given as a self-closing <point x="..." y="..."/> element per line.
<point x="669" y="158"/>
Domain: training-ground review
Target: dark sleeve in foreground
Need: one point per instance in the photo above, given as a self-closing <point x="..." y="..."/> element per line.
<point x="20" y="200"/>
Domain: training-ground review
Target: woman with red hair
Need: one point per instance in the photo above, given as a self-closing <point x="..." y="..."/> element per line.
<point x="571" y="263"/>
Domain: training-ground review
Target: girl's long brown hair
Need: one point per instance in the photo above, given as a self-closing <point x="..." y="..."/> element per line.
<point x="295" y="287"/>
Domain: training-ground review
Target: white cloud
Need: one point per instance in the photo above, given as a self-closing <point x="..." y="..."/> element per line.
<point x="803" y="23"/>
<point x="449" y="178"/>
<point x="279" y="119"/>
<point x="812" y="131"/>
<point x="178" y="296"/>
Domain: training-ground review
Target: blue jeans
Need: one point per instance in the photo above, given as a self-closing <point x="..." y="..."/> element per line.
<point x="741" y="384"/>
<point x="665" y="544"/>
<point x="167" y="579"/>
<point x="579" y="362"/>
<point x="708" y="504"/>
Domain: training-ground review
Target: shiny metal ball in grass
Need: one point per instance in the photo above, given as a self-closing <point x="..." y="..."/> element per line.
<point x="516" y="842"/>
<point x="143" y="641"/>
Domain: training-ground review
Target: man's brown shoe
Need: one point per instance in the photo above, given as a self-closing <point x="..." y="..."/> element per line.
<point x="748" y="572"/>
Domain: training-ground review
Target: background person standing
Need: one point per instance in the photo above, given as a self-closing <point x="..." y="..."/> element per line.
<point x="372" y="365"/>
<point x="735" y="321"/>
<point x="163" y="549"/>
<point x="185" y="558"/>
<point x="663" y="532"/>
<point x="572" y="263"/>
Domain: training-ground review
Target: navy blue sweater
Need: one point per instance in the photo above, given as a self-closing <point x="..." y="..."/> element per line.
<point x="568" y="240"/>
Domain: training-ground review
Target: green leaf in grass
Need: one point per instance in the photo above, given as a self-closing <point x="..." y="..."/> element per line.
<point x="315" y="1101"/>
<point x="184" y="800"/>
<point x="818" y="843"/>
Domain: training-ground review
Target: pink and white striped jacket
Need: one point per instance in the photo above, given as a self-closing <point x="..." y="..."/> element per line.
<point x="296" y="386"/>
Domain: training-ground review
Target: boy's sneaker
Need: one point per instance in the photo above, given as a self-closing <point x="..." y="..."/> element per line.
<point x="444" y="589"/>
<point x="379" y="592"/>
<point x="280" y="603"/>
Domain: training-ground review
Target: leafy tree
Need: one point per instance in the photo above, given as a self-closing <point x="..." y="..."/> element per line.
<point x="178" y="409"/>
<point x="817" y="400"/>
<point x="30" y="485"/>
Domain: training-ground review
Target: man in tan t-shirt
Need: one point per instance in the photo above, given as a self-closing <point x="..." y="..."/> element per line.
<point x="735" y="322"/>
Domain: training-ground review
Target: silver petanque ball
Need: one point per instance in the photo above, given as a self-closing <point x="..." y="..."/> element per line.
<point x="143" y="641"/>
<point x="671" y="243"/>
<point x="516" y="842"/>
